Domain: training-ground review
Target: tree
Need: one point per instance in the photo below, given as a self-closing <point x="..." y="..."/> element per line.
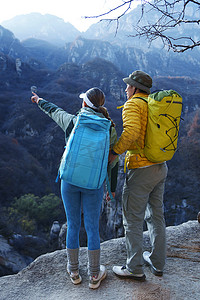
<point x="169" y="17"/>
<point x="30" y="213"/>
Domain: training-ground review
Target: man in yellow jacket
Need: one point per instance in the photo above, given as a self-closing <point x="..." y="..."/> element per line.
<point x="143" y="189"/>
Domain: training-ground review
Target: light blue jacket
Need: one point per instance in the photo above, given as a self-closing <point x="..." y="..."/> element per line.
<point x="66" y="121"/>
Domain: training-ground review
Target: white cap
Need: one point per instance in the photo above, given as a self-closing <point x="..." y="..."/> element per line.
<point x="87" y="101"/>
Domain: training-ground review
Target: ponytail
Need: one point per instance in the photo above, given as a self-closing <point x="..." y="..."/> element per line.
<point x="104" y="111"/>
<point x="97" y="98"/>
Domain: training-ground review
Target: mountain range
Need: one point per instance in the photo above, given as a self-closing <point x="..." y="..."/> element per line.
<point x="43" y="27"/>
<point x="118" y="32"/>
<point x="52" y="42"/>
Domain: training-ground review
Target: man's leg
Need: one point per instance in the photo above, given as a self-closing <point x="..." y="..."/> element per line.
<point x="135" y="196"/>
<point x="154" y="217"/>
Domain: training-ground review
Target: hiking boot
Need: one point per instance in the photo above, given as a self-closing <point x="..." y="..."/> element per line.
<point x="148" y="262"/>
<point x="124" y="272"/>
<point x="75" y="277"/>
<point x="95" y="281"/>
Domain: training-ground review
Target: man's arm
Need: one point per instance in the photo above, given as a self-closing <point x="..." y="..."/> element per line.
<point x="131" y="127"/>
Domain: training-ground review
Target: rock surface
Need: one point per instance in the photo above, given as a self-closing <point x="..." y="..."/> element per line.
<point x="10" y="260"/>
<point x="46" y="278"/>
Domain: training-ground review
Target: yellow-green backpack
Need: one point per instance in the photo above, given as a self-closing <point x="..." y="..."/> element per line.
<point x="164" y="114"/>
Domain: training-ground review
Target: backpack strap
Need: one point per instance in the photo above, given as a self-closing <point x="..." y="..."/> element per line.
<point x="67" y="134"/>
<point x="144" y="99"/>
<point x="118" y="107"/>
<point x="136" y="151"/>
<point x="133" y="151"/>
<point x="108" y="188"/>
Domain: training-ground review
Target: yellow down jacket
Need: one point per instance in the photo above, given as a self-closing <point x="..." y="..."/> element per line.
<point x="134" y="116"/>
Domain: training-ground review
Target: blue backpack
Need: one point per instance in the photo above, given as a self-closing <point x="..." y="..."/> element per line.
<point x="85" y="159"/>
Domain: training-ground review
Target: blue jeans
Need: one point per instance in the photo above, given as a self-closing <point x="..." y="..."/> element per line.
<point x="75" y="199"/>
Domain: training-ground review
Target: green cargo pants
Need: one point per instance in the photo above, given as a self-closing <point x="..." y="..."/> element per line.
<point x="143" y="199"/>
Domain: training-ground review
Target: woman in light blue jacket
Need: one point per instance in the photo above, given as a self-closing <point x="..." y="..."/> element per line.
<point x="75" y="197"/>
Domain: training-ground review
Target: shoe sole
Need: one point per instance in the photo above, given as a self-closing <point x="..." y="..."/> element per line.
<point x="96" y="285"/>
<point x="153" y="271"/>
<point x="141" y="279"/>
<point x="76" y="281"/>
<point x="156" y="273"/>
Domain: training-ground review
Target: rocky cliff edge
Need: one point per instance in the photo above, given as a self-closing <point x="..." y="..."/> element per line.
<point x="46" y="278"/>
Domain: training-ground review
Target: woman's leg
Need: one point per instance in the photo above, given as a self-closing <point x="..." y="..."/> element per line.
<point x="92" y="201"/>
<point x="71" y="197"/>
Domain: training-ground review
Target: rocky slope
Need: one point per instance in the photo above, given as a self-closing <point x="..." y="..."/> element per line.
<point x="46" y="277"/>
<point x="126" y="57"/>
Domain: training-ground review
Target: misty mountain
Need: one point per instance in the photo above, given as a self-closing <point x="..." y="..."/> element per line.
<point x="49" y="42"/>
<point x="125" y="58"/>
<point x="55" y="30"/>
<point x="42" y="55"/>
<point x="12" y="48"/>
<point x="16" y="75"/>
<point x="41" y="51"/>
<point x="10" y="45"/>
<point x="99" y="41"/>
<point x="44" y="27"/>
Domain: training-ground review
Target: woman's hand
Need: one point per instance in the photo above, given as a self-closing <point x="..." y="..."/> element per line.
<point x="108" y="196"/>
<point x="35" y="98"/>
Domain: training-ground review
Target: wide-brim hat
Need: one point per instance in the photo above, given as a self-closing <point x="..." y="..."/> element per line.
<point x="140" y="80"/>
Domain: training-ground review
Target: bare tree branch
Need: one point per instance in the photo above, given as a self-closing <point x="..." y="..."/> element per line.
<point x="170" y="15"/>
<point x="125" y="3"/>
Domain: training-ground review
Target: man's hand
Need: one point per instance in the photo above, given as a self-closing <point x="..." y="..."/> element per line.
<point x="111" y="157"/>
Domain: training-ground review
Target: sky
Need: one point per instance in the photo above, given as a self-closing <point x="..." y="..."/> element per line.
<point x="72" y="11"/>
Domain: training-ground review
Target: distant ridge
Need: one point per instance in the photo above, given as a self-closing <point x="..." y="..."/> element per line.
<point x="45" y="27"/>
